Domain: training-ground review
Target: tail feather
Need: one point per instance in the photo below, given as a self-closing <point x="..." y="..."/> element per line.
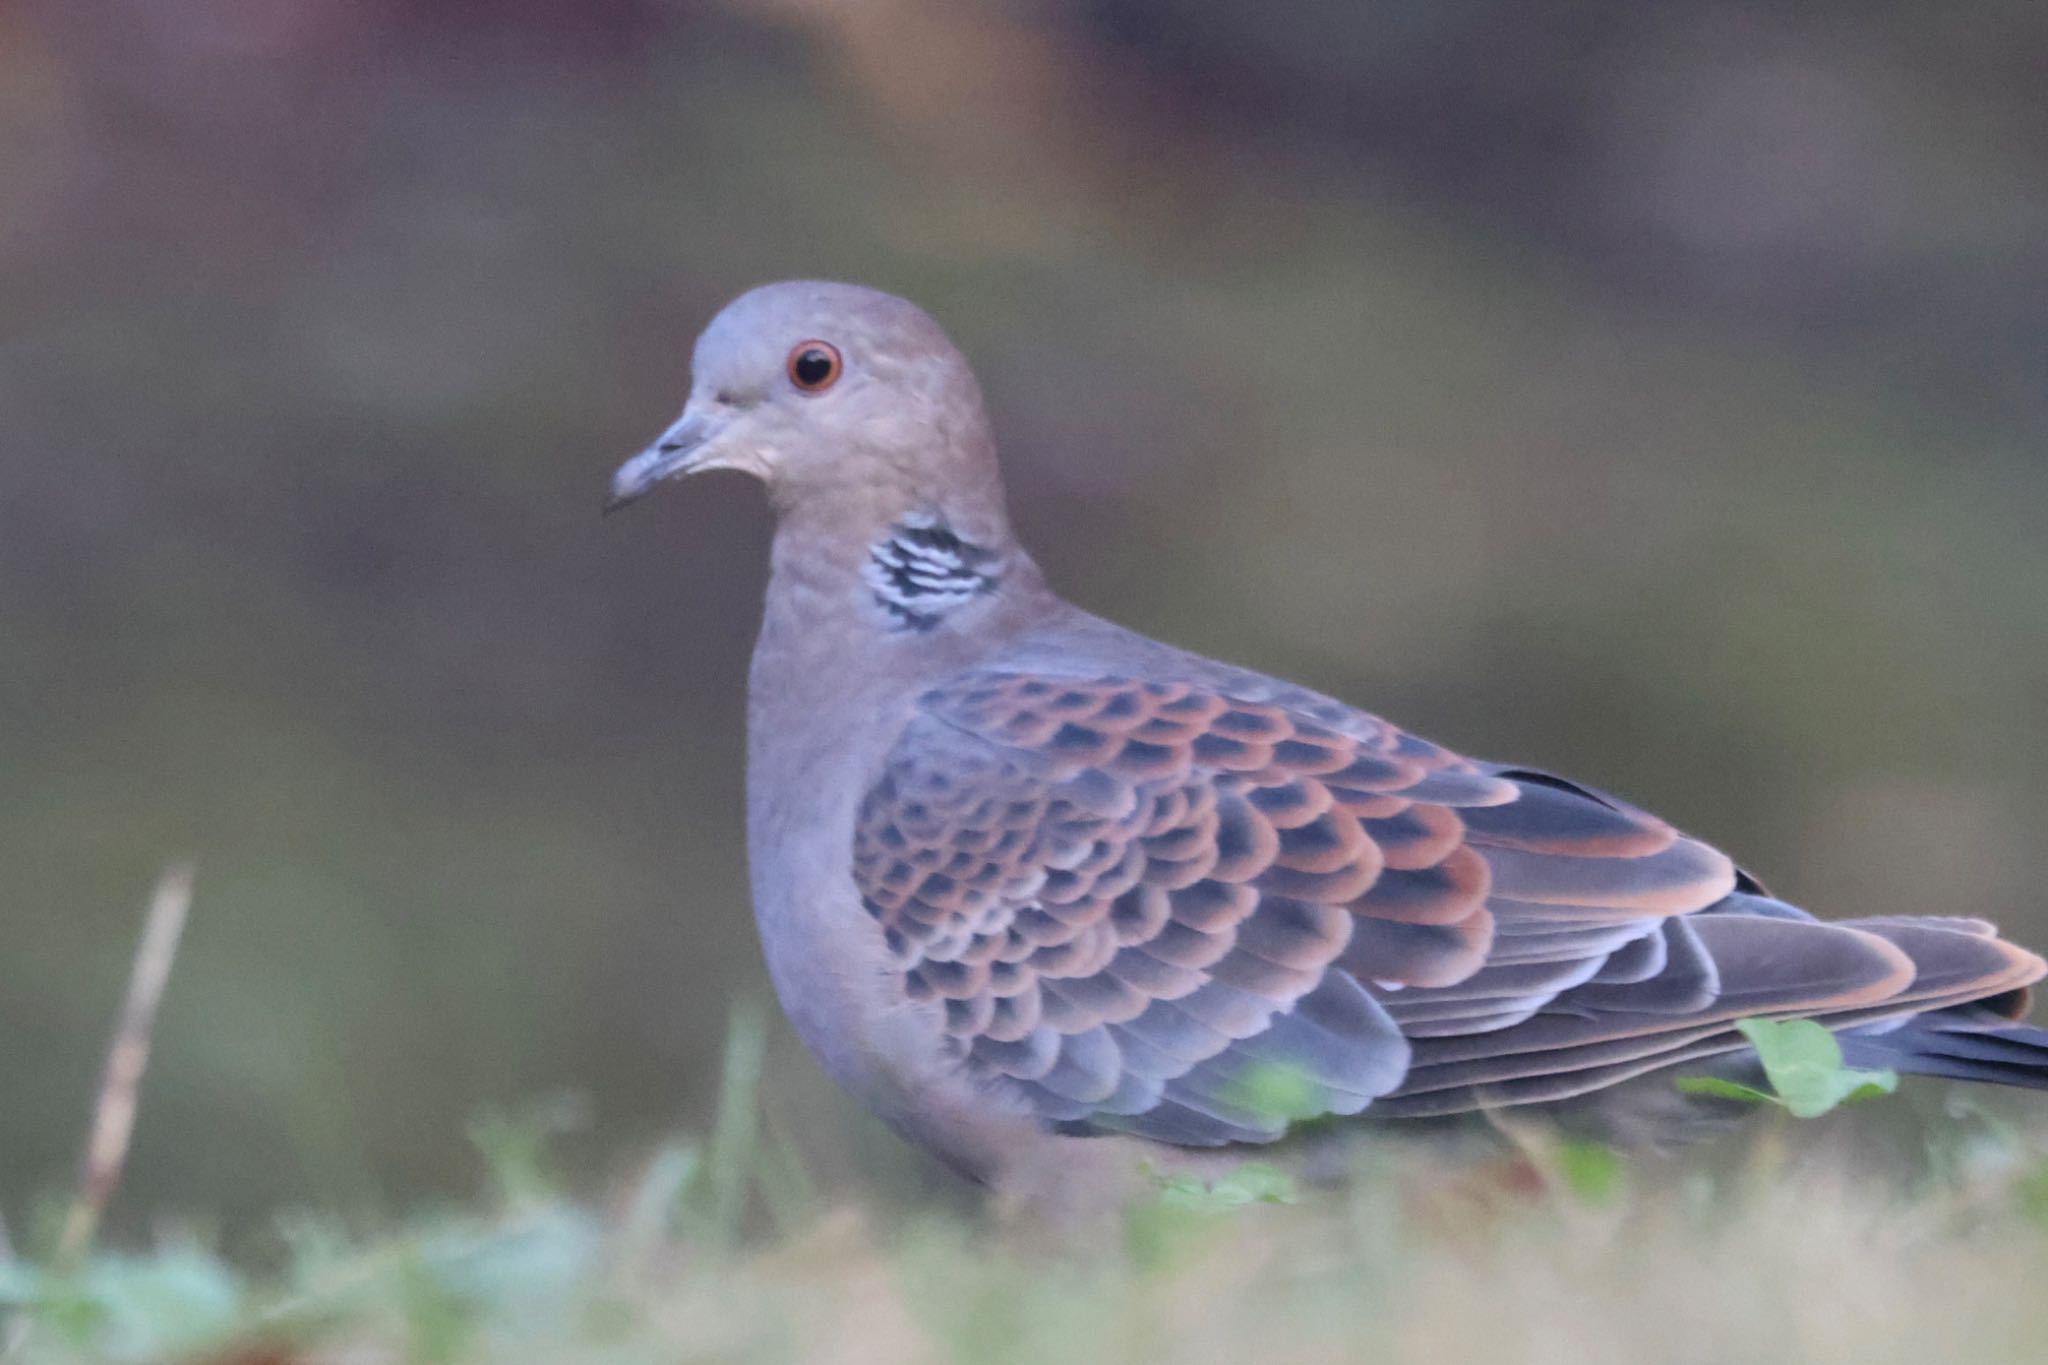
<point x="1968" y="1044"/>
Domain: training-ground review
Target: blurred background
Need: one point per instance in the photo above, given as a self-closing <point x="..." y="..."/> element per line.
<point x="1655" y="393"/>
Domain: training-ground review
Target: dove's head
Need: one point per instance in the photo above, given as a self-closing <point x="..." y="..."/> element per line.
<point x="836" y="397"/>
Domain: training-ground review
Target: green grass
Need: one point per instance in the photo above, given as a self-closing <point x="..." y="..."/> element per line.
<point x="1796" y="1246"/>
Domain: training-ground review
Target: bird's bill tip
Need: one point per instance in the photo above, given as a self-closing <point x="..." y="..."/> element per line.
<point x="636" y="478"/>
<point x="681" y="450"/>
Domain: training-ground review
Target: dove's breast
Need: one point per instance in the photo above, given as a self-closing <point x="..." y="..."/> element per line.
<point x="823" y="714"/>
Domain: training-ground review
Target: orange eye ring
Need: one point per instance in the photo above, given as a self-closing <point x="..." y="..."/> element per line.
<point x="814" y="366"/>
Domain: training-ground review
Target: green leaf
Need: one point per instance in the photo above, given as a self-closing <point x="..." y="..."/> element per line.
<point x="1804" y="1064"/>
<point x="1591" y="1171"/>
<point x="1275" y="1090"/>
<point x="1254" y="1182"/>
<point x="1725" y="1089"/>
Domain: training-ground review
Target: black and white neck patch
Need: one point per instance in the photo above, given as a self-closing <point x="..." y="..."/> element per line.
<point x="922" y="571"/>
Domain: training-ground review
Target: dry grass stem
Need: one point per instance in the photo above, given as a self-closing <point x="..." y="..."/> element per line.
<point x="128" y="1056"/>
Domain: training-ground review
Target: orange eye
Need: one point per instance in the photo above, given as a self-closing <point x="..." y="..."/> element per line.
<point x="814" y="366"/>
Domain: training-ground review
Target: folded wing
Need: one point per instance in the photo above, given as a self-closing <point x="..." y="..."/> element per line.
<point x="1154" y="906"/>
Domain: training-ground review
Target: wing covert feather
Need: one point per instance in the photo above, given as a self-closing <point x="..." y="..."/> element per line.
<point x="1121" y="895"/>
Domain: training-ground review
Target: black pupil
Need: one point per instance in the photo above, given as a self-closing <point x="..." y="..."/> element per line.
<point x="813" y="368"/>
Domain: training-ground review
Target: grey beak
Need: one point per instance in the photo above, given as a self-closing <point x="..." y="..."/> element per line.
<point x="680" y="451"/>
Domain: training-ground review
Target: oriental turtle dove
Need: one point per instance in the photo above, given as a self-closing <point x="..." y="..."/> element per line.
<point x="1027" y="881"/>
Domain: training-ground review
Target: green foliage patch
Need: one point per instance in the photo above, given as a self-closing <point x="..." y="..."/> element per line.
<point x="724" y="1250"/>
<point x="1803" y="1063"/>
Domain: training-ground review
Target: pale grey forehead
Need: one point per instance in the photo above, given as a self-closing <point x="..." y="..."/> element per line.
<point x="755" y="331"/>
